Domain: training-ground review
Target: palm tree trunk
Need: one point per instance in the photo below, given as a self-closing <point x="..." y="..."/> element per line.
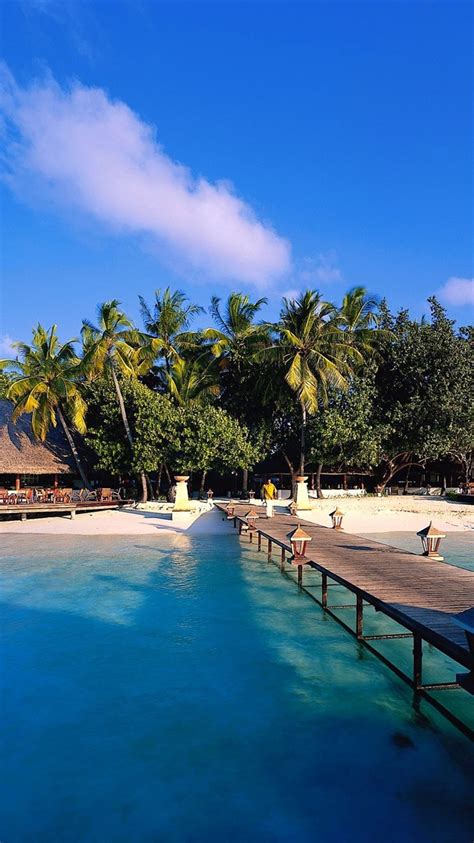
<point x="158" y="482"/>
<point x="245" y="479"/>
<point x="128" y="431"/>
<point x="303" y="439"/>
<point x="293" y="474"/>
<point x="203" y="480"/>
<point x="123" y="411"/>
<point x="319" y="491"/>
<point x="73" y="448"/>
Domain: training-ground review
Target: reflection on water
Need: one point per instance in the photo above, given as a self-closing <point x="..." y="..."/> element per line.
<point x="189" y="692"/>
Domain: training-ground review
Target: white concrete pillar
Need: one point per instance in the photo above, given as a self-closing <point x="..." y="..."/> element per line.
<point x="302" y="498"/>
<point x="182" y="502"/>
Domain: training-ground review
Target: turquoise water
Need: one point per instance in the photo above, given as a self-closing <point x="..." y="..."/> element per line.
<point x="457" y="548"/>
<point x="190" y="693"/>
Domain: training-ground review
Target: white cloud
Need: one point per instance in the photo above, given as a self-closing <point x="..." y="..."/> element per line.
<point x="322" y="269"/>
<point x="458" y="291"/>
<point x="6" y="347"/>
<point x="81" y="149"/>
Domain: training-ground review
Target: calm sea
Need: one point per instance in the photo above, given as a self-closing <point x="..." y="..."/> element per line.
<point x="181" y="689"/>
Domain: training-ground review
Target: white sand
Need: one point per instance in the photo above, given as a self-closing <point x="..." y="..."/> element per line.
<point x="124" y="522"/>
<point x="394" y="514"/>
<point x="361" y="515"/>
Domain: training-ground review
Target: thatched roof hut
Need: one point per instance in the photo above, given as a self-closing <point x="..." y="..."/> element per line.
<point x="21" y="453"/>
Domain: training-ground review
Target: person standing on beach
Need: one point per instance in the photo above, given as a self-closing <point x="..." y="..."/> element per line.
<point x="269" y="491"/>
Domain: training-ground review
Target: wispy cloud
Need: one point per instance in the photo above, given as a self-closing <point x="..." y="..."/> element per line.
<point x="86" y="151"/>
<point x="458" y="291"/>
<point x="323" y="269"/>
<point x="6" y="347"/>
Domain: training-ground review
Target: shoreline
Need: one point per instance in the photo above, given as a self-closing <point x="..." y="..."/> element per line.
<point x="361" y="515"/>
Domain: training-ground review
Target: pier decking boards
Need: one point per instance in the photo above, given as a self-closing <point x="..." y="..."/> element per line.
<point x="420" y="594"/>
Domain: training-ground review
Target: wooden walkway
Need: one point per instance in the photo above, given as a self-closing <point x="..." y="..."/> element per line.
<point x="23" y="510"/>
<point x="421" y="594"/>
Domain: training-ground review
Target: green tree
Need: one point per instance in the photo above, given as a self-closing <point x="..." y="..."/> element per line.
<point x="114" y="346"/>
<point x="209" y="438"/>
<point x="193" y="378"/>
<point x="168" y="321"/>
<point x="237" y="335"/>
<point x="235" y="342"/>
<point x="343" y="433"/>
<point x="153" y="420"/>
<point x="314" y="355"/>
<point x="4" y="384"/>
<point x="46" y="382"/>
<point x="424" y="387"/>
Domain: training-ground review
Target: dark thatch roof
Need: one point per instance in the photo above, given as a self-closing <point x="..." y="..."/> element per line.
<point x="21" y="453"/>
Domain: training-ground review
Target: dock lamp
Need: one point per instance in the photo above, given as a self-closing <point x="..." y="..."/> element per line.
<point x="431" y="540"/>
<point x="299" y="540"/>
<point x="230" y="510"/>
<point x="337" y="517"/>
<point x="251" y="526"/>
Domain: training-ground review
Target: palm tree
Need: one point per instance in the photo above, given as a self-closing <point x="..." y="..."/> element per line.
<point x="168" y="322"/>
<point x="192" y="379"/>
<point x="47" y="384"/>
<point x="359" y="318"/>
<point x="114" y="346"/>
<point x="235" y="342"/>
<point x="237" y="336"/>
<point x="314" y="355"/>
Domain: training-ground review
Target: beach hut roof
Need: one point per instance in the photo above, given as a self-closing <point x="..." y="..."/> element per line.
<point x="21" y="453"/>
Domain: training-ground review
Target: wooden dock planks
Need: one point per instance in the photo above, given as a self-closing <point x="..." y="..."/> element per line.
<point x="419" y="593"/>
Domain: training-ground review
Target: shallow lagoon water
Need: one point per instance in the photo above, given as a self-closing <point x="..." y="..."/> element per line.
<point x="188" y="692"/>
<point x="457" y="548"/>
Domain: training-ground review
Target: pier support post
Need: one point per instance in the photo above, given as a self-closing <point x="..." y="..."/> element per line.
<point x="259" y="542"/>
<point x="240" y="528"/>
<point x="300" y="576"/>
<point x="282" y="559"/>
<point x="235" y="522"/>
<point x="359" y="616"/>
<point x="269" y="551"/>
<point x="324" y="590"/>
<point x="417" y="660"/>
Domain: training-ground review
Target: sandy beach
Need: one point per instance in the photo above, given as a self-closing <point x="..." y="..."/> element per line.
<point x="361" y="515"/>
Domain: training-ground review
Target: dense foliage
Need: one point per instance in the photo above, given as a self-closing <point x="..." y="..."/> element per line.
<point x="344" y="387"/>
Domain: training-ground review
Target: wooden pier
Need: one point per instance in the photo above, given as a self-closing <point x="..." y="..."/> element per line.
<point x="422" y="595"/>
<point x="23" y="510"/>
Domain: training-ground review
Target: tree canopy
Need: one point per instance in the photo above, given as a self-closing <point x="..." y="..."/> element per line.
<point x="348" y="386"/>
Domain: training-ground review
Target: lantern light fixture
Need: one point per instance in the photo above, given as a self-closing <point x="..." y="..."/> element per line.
<point x="337" y="517"/>
<point x="299" y="540"/>
<point x="431" y="539"/>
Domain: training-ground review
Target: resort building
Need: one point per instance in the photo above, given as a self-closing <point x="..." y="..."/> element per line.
<point x="26" y="462"/>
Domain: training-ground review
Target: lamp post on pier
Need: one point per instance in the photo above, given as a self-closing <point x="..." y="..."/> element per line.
<point x="431" y="540"/>
<point x="299" y="541"/>
<point x="337" y="517"/>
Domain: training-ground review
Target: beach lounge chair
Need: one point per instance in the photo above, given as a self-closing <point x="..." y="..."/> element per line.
<point x="62" y="495"/>
<point x="108" y="495"/>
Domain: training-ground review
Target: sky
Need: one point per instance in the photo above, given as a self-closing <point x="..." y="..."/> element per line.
<point x="266" y="147"/>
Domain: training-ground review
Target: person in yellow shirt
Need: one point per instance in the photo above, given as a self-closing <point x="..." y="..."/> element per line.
<point x="269" y="491"/>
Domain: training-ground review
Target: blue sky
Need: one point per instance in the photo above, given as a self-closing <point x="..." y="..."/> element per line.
<point x="265" y="147"/>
